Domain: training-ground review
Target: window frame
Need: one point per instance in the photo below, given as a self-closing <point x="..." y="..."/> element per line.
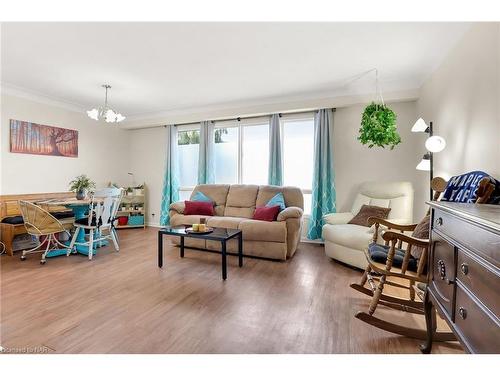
<point x="255" y="121"/>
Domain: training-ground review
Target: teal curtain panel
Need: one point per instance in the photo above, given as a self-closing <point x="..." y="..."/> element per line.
<point x="170" y="192"/>
<point x="206" y="161"/>
<point x="323" y="189"/>
<point x="275" y="174"/>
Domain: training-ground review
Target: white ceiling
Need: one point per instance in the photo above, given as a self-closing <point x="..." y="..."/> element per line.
<point x="161" y="67"/>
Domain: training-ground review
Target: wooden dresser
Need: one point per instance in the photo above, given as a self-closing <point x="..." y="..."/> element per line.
<point x="464" y="277"/>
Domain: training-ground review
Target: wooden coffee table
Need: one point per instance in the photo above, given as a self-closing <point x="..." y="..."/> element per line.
<point x="219" y="234"/>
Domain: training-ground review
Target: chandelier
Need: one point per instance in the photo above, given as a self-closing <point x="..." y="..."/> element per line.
<point x="105" y="112"/>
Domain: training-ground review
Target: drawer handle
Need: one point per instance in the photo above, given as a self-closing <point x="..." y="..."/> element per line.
<point x="462" y="312"/>
<point x="442" y="272"/>
<point x="464" y="267"/>
<point x="439" y="221"/>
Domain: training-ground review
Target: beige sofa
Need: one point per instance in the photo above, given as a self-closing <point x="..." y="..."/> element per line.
<point x="234" y="208"/>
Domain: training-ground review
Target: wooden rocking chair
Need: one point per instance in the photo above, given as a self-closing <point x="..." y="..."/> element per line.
<point x="400" y="264"/>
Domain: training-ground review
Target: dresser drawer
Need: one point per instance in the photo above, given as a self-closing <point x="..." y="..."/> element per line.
<point x="467" y="234"/>
<point x="478" y="330"/>
<point x="443" y="272"/>
<point x="480" y="278"/>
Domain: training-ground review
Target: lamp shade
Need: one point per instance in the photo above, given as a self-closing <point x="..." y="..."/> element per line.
<point x="420" y="126"/>
<point x="435" y="143"/>
<point x="425" y="163"/>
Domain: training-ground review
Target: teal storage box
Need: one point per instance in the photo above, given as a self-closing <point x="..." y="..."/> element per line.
<point x="136" y="220"/>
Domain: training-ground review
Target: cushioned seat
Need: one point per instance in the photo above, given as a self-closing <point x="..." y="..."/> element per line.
<point x="349" y="235"/>
<point x="14" y="220"/>
<point x="63" y="214"/>
<point x="257" y="230"/>
<point x="378" y="253"/>
<point x="224" y="222"/>
<point x="187" y="219"/>
<point x="85" y="221"/>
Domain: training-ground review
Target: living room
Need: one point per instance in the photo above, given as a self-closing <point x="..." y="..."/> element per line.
<point x="250" y="187"/>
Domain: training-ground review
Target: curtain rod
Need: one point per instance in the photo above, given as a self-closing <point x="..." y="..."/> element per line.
<point x="247" y="117"/>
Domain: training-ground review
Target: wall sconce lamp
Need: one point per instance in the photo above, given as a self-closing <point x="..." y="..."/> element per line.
<point x="433" y="144"/>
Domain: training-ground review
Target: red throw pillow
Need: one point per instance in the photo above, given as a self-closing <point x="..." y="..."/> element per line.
<point x="198" y="208"/>
<point x="266" y="213"/>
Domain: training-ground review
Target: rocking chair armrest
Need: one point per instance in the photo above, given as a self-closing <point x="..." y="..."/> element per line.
<point x="404" y="227"/>
<point x="394" y="236"/>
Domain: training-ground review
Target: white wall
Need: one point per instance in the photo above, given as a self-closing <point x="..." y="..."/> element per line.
<point x="462" y="99"/>
<point x="354" y="163"/>
<point x="103" y="152"/>
<point x="147" y="160"/>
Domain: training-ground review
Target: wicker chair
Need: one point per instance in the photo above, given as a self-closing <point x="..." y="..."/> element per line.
<point x="39" y="222"/>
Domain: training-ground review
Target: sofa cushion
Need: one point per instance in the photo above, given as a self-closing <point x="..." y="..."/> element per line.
<point x="241" y="201"/>
<point x="256" y="230"/>
<point x="180" y="219"/>
<point x="200" y="197"/>
<point x="14" y="220"/>
<point x="366" y="212"/>
<point x="266" y="213"/>
<point x="293" y="196"/>
<point x="349" y="235"/>
<point x="378" y="253"/>
<point x="277" y="200"/>
<point x="217" y="193"/>
<point x="224" y="222"/>
<point x="198" y="208"/>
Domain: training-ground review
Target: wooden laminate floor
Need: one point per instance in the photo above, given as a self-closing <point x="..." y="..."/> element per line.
<point x="123" y="303"/>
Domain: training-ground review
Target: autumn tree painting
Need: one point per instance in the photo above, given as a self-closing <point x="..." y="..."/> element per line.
<point x="30" y="138"/>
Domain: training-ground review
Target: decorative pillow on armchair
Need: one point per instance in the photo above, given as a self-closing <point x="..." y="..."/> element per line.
<point x="366" y="212"/>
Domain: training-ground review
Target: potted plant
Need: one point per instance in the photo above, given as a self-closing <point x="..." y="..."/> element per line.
<point x="129" y="190"/>
<point x="378" y="127"/>
<point x="81" y="185"/>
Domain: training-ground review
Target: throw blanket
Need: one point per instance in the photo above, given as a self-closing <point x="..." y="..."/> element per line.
<point x="464" y="188"/>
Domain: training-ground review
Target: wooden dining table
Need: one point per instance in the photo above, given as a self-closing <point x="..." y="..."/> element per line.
<point x="80" y="208"/>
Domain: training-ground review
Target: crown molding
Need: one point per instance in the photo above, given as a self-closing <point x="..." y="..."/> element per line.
<point x="258" y="107"/>
<point x="38" y="97"/>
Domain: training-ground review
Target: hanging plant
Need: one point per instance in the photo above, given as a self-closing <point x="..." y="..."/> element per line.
<point x="378" y="127"/>
<point x="378" y="123"/>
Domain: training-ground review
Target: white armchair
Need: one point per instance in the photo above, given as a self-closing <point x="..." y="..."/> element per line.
<point x="346" y="242"/>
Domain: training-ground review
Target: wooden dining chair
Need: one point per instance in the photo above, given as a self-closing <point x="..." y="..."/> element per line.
<point x="100" y="222"/>
<point x="41" y="223"/>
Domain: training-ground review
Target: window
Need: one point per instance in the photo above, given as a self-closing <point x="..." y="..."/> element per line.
<point x="226" y="155"/>
<point x="242" y="153"/>
<point x="298" y="156"/>
<point x="188" y="141"/>
<point x="255" y="154"/>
